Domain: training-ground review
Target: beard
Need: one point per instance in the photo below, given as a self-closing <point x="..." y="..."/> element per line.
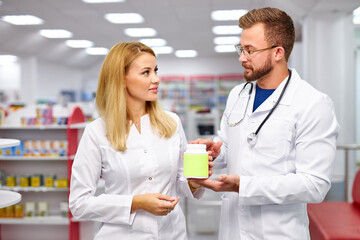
<point x="259" y="73"/>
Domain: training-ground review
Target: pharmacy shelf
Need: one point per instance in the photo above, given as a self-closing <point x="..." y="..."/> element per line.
<point x="20" y="158"/>
<point x="34" y="189"/>
<point x="78" y="125"/>
<point x="48" y="220"/>
<point x="19" y="164"/>
<point x="37" y="127"/>
<point x="79" y="220"/>
<point x="45" y="127"/>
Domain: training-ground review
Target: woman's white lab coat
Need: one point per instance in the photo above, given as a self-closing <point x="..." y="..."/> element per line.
<point x="290" y="165"/>
<point x="149" y="165"/>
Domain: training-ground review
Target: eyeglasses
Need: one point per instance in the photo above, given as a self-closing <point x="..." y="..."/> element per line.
<point x="247" y="53"/>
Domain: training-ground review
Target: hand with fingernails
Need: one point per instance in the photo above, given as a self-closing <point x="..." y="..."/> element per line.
<point x="154" y="203"/>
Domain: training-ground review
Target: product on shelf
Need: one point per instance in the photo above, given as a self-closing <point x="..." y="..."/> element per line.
<point x="28" y="121"/>
<point x="13" y="211"/>
<point x="19" y="211"/>
<point x="64" y="209"/>
<point x="60" y="120"/>
<point x="37" y="180"/>
<point x="8" y="151"/>
<point x="10" y="180"/>
<point x="30" y="209"/>
<point x="18" y="150"/>
<point x="12" y="151"/>
<point x="61" y="183"/>
<point x="49" y="180"/>
<point x="2" y="177"/>
<point x="58" y="148"/>
<point x="24" y="180"/>
<point x="44" y="115"/>
<point x="34" y="180"/>
<point x="43" y="209"/>
<point x="62" y="148"/>
<point x="2" y="116"/>
<point x="26" y="148"/>
<point x="9" y="211"/>
<point x="36" y="148"/>
<point x="44" y="148"/>
<point x="54" y="148"/>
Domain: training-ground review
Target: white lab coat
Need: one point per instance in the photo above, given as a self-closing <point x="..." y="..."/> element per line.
<point x="290" y="165"/>
<point x="149" y="165"/>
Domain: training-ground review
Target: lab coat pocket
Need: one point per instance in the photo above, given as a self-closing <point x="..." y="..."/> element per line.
<point x="228" y="217"/>
<point x="273" y="139"/>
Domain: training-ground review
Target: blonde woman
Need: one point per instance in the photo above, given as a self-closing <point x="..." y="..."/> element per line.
<point x="136" y="148"/>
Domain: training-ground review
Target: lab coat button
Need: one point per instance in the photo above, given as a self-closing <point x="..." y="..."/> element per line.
<point x="150" y="178"/>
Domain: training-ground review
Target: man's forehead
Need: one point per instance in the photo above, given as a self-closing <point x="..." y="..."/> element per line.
<point x="253" y="36"/>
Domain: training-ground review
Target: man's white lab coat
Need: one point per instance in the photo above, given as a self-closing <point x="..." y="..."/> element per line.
<point x="290" y="165"/>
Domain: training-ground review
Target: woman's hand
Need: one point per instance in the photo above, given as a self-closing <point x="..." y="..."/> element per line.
<point x="154" y="203"/>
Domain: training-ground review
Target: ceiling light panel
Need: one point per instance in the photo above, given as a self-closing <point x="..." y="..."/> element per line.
<point x="79" y="43"/>
<point x="102" y="1"/>
<point x="226" y="30"/>
<point x="55" y="33"/>
<point x="140" y="32"/>
<point x="163" y="50"/>
<point x="153" y="42"/>
<point x="186" y="53"/>
<point x="124" y="18"/>
<point x="7" y="59"/>
<point x="225" y="48"/>
<point x="22" y="20"/>
<point x="227" y="15"/>
<point x="356" y="16"/>
<point x="97" y="51"/>
<point x="226" y="40"/>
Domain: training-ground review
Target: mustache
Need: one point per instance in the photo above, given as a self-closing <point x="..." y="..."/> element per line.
<point x="246" y="66"/>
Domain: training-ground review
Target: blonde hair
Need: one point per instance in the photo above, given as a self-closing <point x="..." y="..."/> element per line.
<point x="279" y="27"/>
<point x="111" y="96"/>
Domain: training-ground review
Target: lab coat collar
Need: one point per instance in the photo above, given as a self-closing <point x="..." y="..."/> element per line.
<point x="287" y="97"/>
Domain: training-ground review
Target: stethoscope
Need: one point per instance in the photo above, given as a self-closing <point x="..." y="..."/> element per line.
<point x="252" y="137"/>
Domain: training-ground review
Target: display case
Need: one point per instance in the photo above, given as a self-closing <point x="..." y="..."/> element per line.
<point x="199" y="100"/>
<point x="173" y="96"/>
<point x="225" y="83"/>
<point x="50" y="215"/>
<point x="202" y="90"/>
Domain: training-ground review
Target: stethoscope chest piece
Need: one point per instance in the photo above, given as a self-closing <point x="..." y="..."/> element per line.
<point x="252" y="139"/>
